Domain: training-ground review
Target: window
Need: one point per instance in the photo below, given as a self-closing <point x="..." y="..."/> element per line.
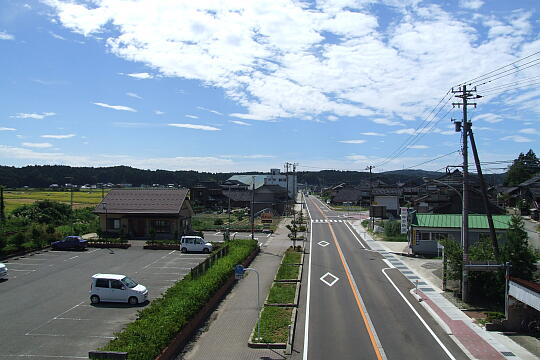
<point x="439" y="236"/>
<point x="161" y="226"/>
<point x="423" y="236"/>
<point x="102" y="283"/>
<point x="116" y="284"/>
<point x="113" y="224"/>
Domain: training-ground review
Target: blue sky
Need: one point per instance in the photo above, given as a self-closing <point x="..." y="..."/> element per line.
<point x="249" y="85"/>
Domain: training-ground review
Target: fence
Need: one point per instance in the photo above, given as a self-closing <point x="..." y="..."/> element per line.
<point x="209" y="261"/>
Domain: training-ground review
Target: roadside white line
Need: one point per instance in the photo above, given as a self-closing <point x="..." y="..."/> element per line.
<point x="418" y="316"/>
<point x="11" y="269"/>
<point x="171" y="267"/>
<point x="62" y="335"/>
<point x="71" y="258"/>
<point x="268" y="236"/>
<point x="17" y="263"/>
<point x="306" y="330"/>
<point x="354" y="234"/>
<point x="77" y="319"/>
<point x="218" y="233"/>
<point x="388" y="263"/>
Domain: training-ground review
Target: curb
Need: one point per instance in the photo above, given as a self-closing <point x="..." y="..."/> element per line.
<point x="298" y="279"/>
<point x="296" y="297"/>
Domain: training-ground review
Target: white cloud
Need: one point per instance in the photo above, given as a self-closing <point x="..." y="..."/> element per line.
<point x="418" y="147"/>
<point x="158" y="112"/>
<point x="488" y="117"/>
<point x="133" y="95"/>
<point x="387" y="122"/>
<point x="6" y="36"/>
<point x="282" y="59"/>
<point x="143" y="75"/>
<point x="209" y="110"/>
<point x="516" y="138"/>
<point x="352" y="141"/>
<point x="66" y="136"/>
<point x="237" y="122"/>
<point x="255" y="156"/>
<point x="357" y="157"/>
<point x="471" y="4"/>
<point x="196" y="127"/>
<point x="115" y="107"/>
<point x="200" y="163"/>
<point x="56" y="36"/>
<point x="37" y="145"/>
<point x="7" y="129"/>
<point x="531" y="131"/>
<point x="372" y="134"/>
<point x="192" y="116"/>
<point x="33" y="115"/>
<point x="332" y="118"/>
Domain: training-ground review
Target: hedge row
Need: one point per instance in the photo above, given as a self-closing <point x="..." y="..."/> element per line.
<point x="159" y="323"/>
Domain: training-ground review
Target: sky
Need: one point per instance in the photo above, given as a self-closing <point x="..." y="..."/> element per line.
<point x="226" y="86"/>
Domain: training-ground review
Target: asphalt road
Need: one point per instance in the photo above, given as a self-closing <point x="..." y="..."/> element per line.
<point x="45" y="311"/>
<point x="358" y="306"/>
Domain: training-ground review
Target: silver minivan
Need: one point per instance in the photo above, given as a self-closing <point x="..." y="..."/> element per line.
<point x="116" y="288"/>
<point x="194" y="243"/>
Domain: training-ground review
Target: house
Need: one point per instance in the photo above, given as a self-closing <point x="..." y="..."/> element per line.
<point x="137" y="213"/>
<point x="208" y="194"/>
<point x="286" y="181"/>
<point x="427" y="230"/>
<point x="271" y="197"/>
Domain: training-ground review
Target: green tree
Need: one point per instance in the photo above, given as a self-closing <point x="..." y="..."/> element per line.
<point x="485" y="285"/>
<point x="517" y="250"/>
<point x="523" y="168"/>
<point x="44" y="212"/>
<point x="454" y="258"/>
<point x="2" y="206"/>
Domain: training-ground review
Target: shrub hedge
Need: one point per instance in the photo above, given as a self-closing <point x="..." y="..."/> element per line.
<point x="159" y="323"/>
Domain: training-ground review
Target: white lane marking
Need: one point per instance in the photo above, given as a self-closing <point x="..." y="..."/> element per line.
<point x="388" y="263"/>
<point x="268" y="236"/>
<point x="54" y="318"/>
<point x="76" y="319"/>
<point x="71" y="258"/>
<point x="62" y="335"/>
<point x="419" y="317"/>
<point x="306" y="330"/>
<point x="171" y="267"/>
<point x="354" y="234"/>
<point x="323" y="243"/>
<point x="11" y="269"/>
<point x="92" y="251"/>
<point x="218" y="233"/>
<point x="18" y="263"/>
<point x="329" y="283"/>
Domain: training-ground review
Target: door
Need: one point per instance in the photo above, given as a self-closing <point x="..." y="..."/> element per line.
<point x="101" y="289"/>
<point x="137" y="227"/>
<point x="118" y="292"/>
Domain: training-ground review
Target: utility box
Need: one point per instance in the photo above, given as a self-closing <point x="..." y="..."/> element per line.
<point x="377" y="211"/>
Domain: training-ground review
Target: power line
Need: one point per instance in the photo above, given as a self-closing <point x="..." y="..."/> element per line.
<point x="500" y="76"/>
<point x="437" y="158"/>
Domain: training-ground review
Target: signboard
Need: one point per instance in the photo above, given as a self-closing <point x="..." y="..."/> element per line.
<point x="266" y="218"/>
<point x="483" y="266"/>
<point x="404" y="215"/>
<point x="239" y="272"/>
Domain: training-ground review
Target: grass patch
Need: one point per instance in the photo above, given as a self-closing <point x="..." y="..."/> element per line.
<point x="288" y="272"/>
<point x="159" y="322"/>
<point x="274" y="324"/>
<point x="395" y="238"/>
<point x="292" y="257"/>
<point x="202" y="222"/>
<point x="282" y="293"/>
<point x="15" y="198"/>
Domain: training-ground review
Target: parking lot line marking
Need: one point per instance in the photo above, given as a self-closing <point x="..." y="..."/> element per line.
<point x="17" y="263"/>
<point x="50" y="320"/>
<point x="178" y="273"/>
<point x="155" y="261"/>
<point x="63" y="318"/>
<point x="11" y="269"/>
<point x="268" y="236"/>
<point x="62" y="335"/>
<point x="171" y="267"/>
<point x="218" y="233"/>
<point x="71" y="258"/>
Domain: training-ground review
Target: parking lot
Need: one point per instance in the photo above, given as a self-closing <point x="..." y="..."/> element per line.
<point x="45" y="309"/>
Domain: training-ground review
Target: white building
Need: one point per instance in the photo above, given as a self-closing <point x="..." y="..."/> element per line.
<point x="274" y="178"/>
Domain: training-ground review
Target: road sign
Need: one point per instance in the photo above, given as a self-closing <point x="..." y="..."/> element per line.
<point x="266" y="218"/>
<point x="404" y="215"/>
<point x="239" y="272"/>
<point x="483" y="266"/>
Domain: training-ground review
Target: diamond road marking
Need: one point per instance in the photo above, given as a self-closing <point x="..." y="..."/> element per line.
<point x="323" y="243"/>
<point x="334" y="279"/>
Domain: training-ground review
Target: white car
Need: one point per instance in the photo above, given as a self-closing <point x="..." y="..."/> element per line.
<point x="194" y="243"/>
<point x="116" y="288"/>
<point x="3" y="271"/>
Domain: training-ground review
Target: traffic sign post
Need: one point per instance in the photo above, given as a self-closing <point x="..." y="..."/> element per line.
<point x="239" y="272"/>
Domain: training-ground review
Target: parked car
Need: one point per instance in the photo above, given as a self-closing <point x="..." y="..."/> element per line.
<point x="3" y="271"/>
<point x="70" y="243"/>
<point x="116" y="288"/>
<point x="194" y="243"/>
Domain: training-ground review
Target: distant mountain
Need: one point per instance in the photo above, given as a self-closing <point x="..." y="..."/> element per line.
<point x="41" y="176"/>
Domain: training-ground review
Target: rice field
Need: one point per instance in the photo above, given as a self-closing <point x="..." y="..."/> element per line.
<point x="84" y="198"/>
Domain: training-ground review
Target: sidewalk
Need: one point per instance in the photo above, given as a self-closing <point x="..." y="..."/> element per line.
<point x="474" y="340"/>
<point x="226" y="334"/>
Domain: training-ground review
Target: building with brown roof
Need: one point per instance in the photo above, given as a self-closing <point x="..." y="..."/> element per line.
<point x="138" y="213"/>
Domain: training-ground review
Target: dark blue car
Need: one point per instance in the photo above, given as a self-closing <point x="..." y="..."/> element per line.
<point x="70" y="243"/>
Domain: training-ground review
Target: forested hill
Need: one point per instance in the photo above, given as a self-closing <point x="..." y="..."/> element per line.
<point x="43" y="176"/>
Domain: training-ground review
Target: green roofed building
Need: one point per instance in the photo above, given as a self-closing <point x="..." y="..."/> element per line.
<point x="427" y="230"/>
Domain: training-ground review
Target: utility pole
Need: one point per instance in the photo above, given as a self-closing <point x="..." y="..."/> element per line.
<point x="370" y="167"/>
<point x="287" y="179"/>
<point x="294" y="191"/>
<point x="465" y="95"/>
<point x="70" y="199"/>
